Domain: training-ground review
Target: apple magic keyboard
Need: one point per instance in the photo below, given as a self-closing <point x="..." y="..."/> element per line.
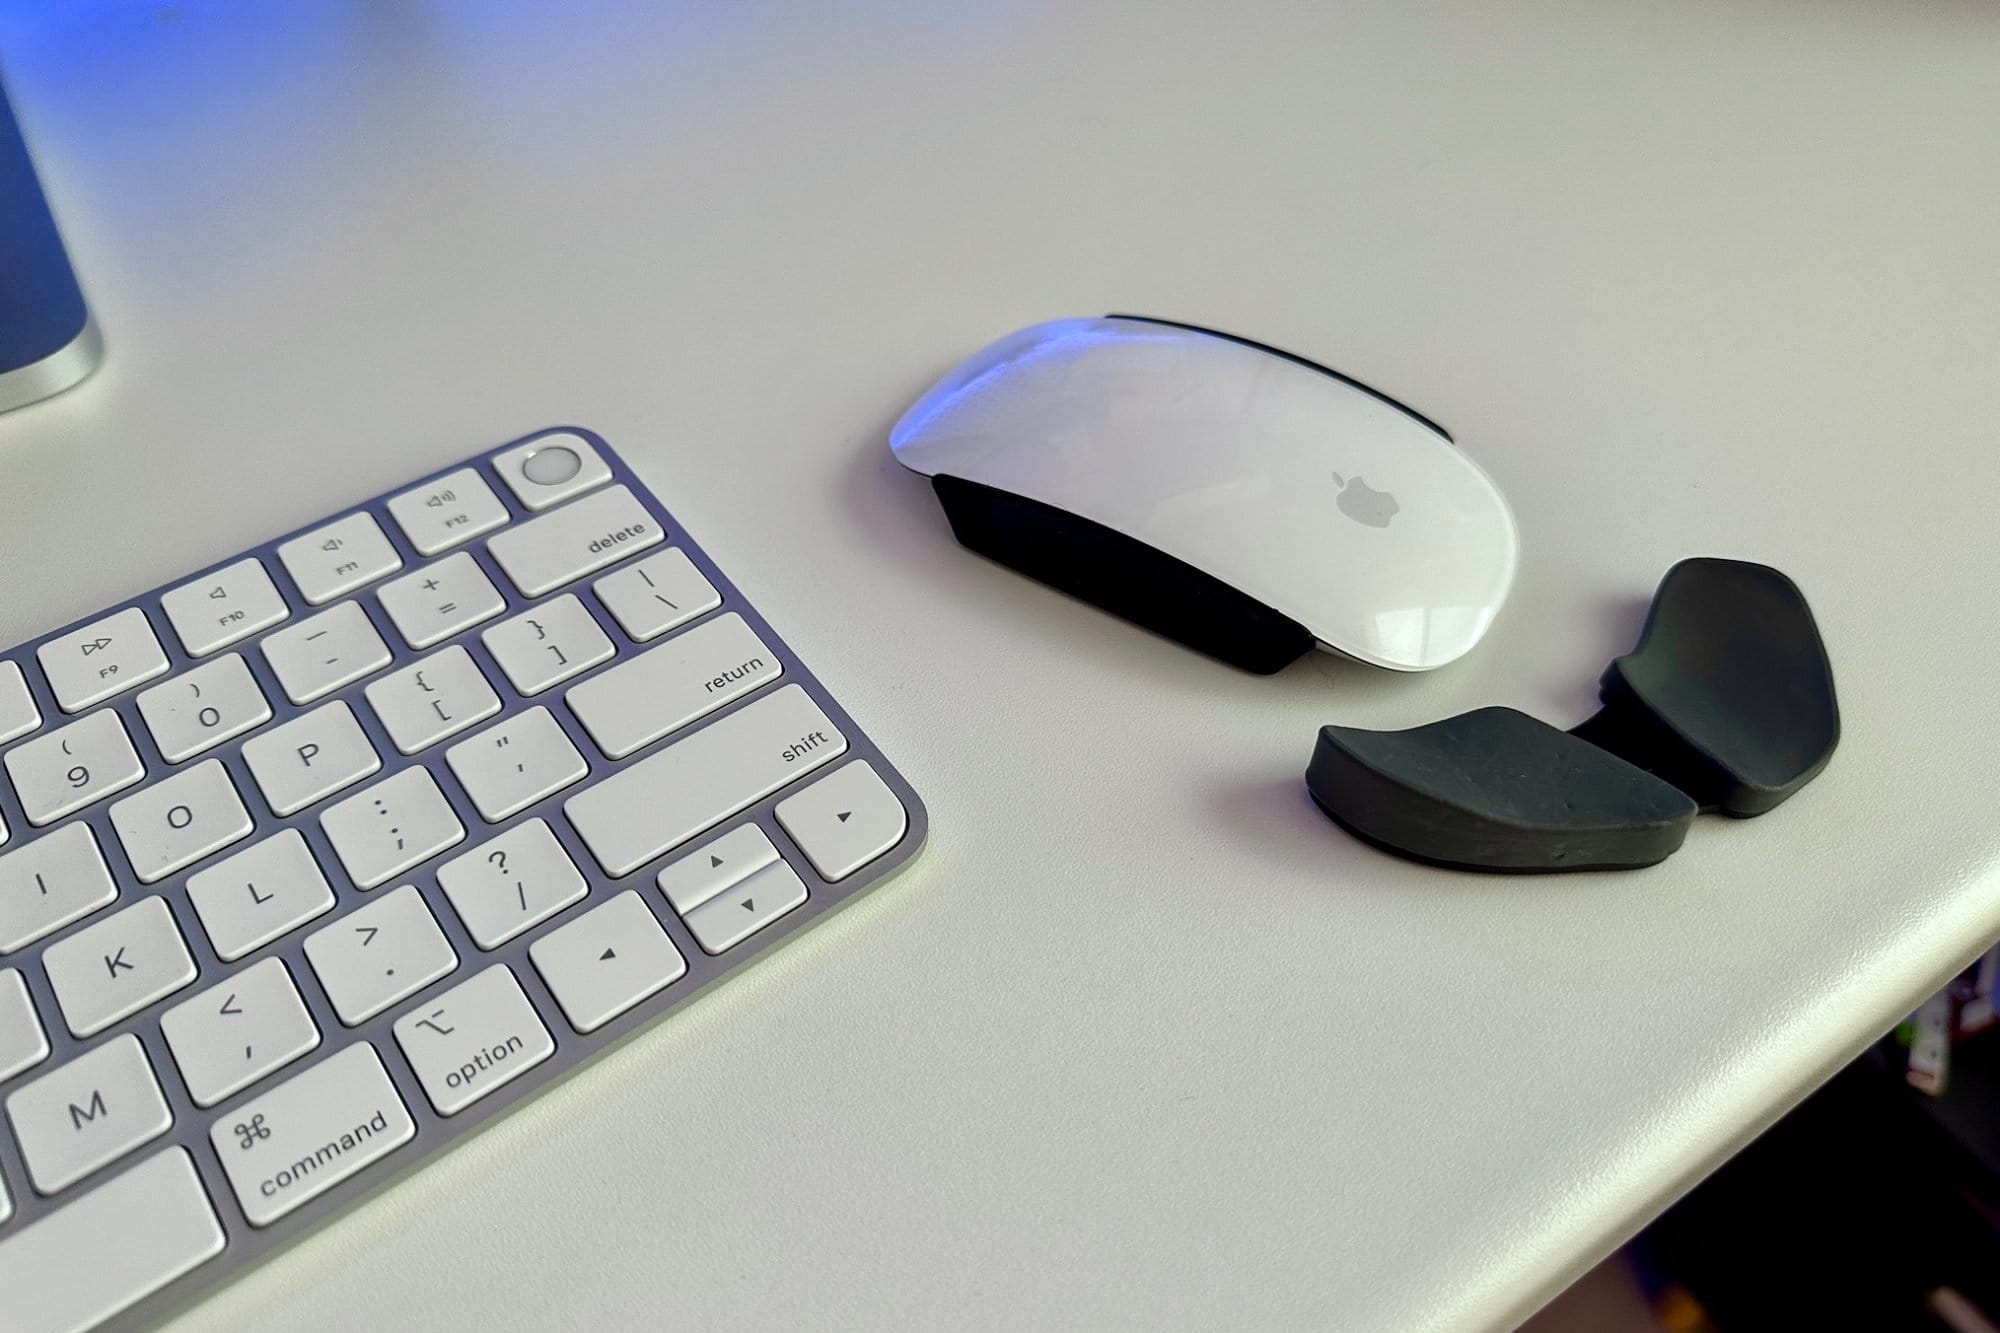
<point x="314" y="862"/>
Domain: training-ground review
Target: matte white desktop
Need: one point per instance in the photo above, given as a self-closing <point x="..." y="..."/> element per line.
<point x="1143" y="1041"/>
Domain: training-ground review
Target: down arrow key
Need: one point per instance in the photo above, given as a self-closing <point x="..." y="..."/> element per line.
<point x="727" y="920"/>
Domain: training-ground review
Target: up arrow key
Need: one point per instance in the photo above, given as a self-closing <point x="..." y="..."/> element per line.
<point x="607" y="955"/>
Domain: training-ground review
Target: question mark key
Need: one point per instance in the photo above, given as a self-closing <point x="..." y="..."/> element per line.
<point x="512" y="883"/>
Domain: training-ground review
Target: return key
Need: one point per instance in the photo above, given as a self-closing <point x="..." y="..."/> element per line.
<point x="665" y="688"/>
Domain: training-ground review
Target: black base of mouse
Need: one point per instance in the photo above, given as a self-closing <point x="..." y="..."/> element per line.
<point x="1123" y="576"/>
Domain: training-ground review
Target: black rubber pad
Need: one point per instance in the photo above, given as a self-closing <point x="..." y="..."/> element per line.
<point x="1729" y="695"/>
<point x="1496" y="789"/>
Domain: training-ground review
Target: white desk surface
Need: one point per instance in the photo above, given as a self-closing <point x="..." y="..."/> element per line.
<point x="1143" y="1041"/>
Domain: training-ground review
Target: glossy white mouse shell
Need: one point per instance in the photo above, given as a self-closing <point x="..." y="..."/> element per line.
<point x="1234" y="459"/>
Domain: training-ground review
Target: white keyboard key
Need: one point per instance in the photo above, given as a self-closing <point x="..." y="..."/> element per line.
<point x="441" y="600"/>
<point x="480" y="1035"/>
<point x="49" y="883"/>
<point x="518" y="880"/>
<point x="271" y="888"/>
<point x="175" y="823"/>
<point x="18" y="714"/>
<point x="226" y="607"/>
<point x="606" y="961"/>
<point x="738" y="912"/>
<point x="118" y="966"/>
<point x="449" y="512"/>
<point x="663" y="689"/>
<point x="338" y="558"/>
<point x="93" y="1110"/>
<point x="131" y="1237"/>
<point x="507" y="768"/>
<point x="844" y="820"/>
<point x="310" y="758"/>
<point x="383" y="953"/>
<point x="234" y="1034"/>
<point x="664" y="799"/>
<point x="544" y="553"/>
<point x="305" y="1136"/>
<point x="427" y="701"/>
<point x="23" y="1044"/>
<point x="103" y="658"/>
<point x="549" y="470"/>
<point x="203" y="708"/>
<point x="548" y="645"/>
<point x="315" y="657"/>
<point x="659" y="593"/>
<point x="395" y="824"/>
<point x="73" y="766"/>
<point x="701" y="874"/>
<point x="6" y="1206"/>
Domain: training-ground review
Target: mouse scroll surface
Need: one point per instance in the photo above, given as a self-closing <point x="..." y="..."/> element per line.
<point x="1318" y="501"/>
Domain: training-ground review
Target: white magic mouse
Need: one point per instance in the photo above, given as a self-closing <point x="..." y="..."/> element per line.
<point x="1237" y="498"/>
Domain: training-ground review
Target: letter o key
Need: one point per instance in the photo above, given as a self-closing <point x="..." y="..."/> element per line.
<point x="179" y="817"/>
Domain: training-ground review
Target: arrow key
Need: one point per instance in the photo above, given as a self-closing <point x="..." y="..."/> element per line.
<point x="735" y="914"/>
<point x="845" y="820"/>
<point x="707" y="871"/>
<point x="606" y="961"/>
<point x="234" y="1034"/>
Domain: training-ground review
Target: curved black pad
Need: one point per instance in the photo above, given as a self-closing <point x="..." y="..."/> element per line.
<point x="1729" y="695"/>
<point x="1121" y="574"/>
<point x="1496" y="790"/>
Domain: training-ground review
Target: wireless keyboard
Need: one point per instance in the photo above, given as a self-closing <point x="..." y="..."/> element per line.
<point x="316" y="861"/>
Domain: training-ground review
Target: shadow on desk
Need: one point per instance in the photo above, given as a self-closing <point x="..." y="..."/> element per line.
<point x="1870" y="1207"/>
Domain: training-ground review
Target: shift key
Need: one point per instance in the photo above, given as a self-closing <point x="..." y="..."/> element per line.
<point x="669" y="797"/>
<point x="580" y="538"/>
<point x="303" y="1137"/>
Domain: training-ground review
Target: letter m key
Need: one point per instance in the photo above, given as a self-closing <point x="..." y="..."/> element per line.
<point x="79" y="1116"/>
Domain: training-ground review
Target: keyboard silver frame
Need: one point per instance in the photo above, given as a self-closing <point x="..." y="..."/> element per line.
<point x="247" y="1245"/>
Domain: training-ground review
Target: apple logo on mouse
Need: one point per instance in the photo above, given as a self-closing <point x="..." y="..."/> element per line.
<point x="1364" y="504"/>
